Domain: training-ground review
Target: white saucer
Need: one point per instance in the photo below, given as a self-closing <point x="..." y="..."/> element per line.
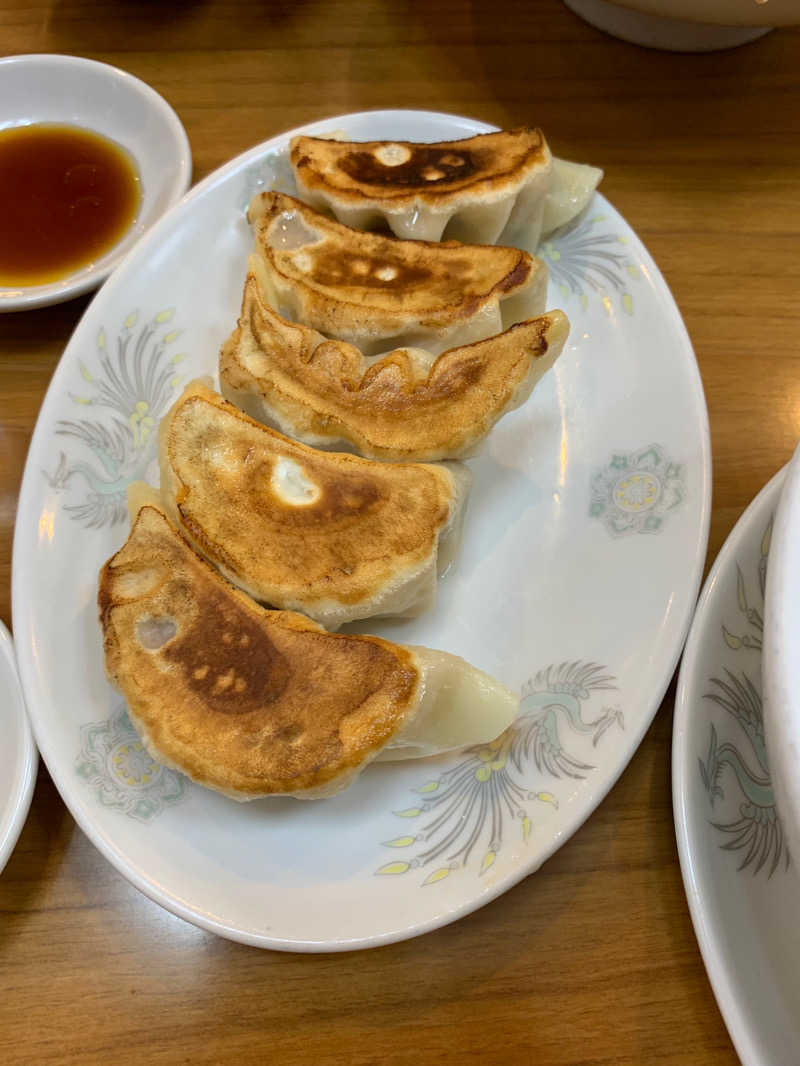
<point x="742" y="888"/>
<point x="81" y="92"/>
<point x="18" y="756"/>
<point x="653" y="27"/>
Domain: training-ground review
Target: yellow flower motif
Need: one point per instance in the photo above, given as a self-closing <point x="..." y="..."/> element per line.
<point x="141" y="423"/>
<point x="399" y="842"/>
<point x="494" y="754"/>
<point x="637" y="492"/>
<point x="437" y="875"/>
<point x="431" y="786"/>
<point x="394" y="868"/>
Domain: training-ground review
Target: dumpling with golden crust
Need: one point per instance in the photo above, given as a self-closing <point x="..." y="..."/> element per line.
<point x="257" y="703"/>
<point x="332" y="535"/>
<point x="378" y="292"/>
<point x="406" y="405"/>
<point x="492" y="188"/>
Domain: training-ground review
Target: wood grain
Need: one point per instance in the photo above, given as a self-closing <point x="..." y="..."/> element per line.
<point x="592" y="961"/>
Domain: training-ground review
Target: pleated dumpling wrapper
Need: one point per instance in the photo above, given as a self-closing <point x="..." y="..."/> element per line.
<point x="407" y="405"/>
<point x="379" y="293"/>
<point x="256" y="703"/>
<point x="493" y="188"/>
<point x="332" y="535"/>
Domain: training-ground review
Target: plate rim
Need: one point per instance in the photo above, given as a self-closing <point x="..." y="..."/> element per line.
<point x="594" y="793"/>
<point x="56" y="292"/>
<point x="782" y="731"/>
<point x="721" y="980"/>
<point x="21" y="801"/>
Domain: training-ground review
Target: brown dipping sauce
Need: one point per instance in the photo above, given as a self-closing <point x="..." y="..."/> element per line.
<point x="67" y="195"/>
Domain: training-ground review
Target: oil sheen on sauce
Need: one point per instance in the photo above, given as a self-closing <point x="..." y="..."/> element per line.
<point x="67" y="195"/>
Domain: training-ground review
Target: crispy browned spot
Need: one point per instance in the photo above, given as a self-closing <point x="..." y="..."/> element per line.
<point x="355" y="170"/>
<point x="365" y="525"/>
<point x="427" y="166"/>
<point x="331" y="267"/>
<point x="241" y="698"/>
<point x="211" y="666"/>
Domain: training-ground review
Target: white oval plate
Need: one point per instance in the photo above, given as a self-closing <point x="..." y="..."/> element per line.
<point x="81" y="92"/>
<point x="18" y="755"/>
<point x="582" y="555"/>
<point x="741" y="889"/>
<point x="782" y="655"/>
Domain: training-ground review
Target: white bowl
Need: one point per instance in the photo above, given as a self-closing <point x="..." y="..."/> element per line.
<point x="781" y="661"/>
<point x="687" y="25"/>
<point x="721" y="12"/>
<point x="95" y="96"/>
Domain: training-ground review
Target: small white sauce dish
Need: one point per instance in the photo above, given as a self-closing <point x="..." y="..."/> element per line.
<point x="68" y="90"/>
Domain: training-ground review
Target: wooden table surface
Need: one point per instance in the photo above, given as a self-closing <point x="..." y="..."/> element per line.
<point x="593" y="960"/>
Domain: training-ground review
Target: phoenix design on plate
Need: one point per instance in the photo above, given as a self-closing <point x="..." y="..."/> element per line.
<point x="740" y="763"/>
<point x="129" y="388"/>
<point x="477" y="805"/>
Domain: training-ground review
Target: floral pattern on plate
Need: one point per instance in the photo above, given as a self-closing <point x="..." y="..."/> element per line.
<point x="636" y="491"/>
<point x="736" y="768"/>
<point x="468" y="808"/>
<point x="587" y="260"/>
<point x="129" y="389"/>
<point x="121" y="772"/>
<point x="740" y="884"/>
